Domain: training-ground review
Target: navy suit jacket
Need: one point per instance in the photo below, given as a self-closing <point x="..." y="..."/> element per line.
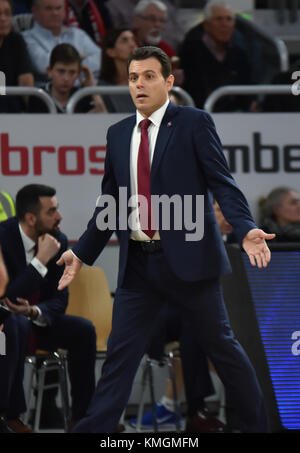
<point x="188" y="160"/>
<point x="25" y="280"/>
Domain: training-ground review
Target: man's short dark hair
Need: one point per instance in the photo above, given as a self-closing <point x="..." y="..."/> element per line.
<point x="28" y="199"/>
<point x="64" y="53"/>
<point x="145" y="52"/>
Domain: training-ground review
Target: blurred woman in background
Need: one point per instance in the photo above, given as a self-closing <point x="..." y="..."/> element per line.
<point x="117" y="46"/>
<point x="280" y="213"/>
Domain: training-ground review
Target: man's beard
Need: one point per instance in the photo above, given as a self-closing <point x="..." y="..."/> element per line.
<point x="40" y="229"/>
<point x="151" y="39"/>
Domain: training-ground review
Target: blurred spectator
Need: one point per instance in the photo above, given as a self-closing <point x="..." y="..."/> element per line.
<point x="148" y="22"/>
<point x="225" y="227"/>
<point x="280" y="213"/>
<point x="210" y="58"/>
<point x="64" y="68"/>
<point x="48" y="31"/>
<point x="283" y="102"/>
<point x="91" y="16"/>
<point x="21" y="6"/>
<point x="18" y="70"/>
<point x="121" y="13"/>
<point x="7" y="206"/>
<point x="3" y="277"/>
<point x="117" y="46"/>
<point x="176" y="98"/>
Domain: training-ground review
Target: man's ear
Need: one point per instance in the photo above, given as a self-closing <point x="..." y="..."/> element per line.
<point x="170" y="82"/>
<point x="49" y="72"/>
<point x="30" y="219"/>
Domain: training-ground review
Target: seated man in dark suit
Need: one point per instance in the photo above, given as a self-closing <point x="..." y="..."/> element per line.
<point x="31" y="244"/>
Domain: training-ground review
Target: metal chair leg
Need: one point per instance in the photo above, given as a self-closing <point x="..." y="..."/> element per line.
<point x="53" y="361"/>
<point x="175" y="397"/>
<point x="64" y="392"/>
<point x="152" y="396"/>
<point x="142" y="398"/>
<point x="40" y="393"/>
<point x="29" y="393"/>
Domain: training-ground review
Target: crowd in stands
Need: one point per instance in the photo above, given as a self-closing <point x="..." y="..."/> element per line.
<point x="211" y="54"/>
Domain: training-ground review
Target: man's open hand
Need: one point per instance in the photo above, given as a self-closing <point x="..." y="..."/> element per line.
<point x="73" y="266"/>
<point x="254" y="244"/>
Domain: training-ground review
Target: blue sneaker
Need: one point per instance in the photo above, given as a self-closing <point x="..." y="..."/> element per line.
<point x="165" y="418"/>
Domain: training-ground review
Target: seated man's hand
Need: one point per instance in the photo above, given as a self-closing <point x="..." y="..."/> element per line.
<point x="48" y="247"/>
<point x="21" y="308"/>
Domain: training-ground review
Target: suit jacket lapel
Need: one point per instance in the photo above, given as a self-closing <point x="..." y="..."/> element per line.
<point x="125" y="139"/>
<point x="165" y="131"/>
<point x="17" y="245"/>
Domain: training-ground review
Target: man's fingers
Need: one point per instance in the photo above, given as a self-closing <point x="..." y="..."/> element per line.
<point x="22" y="301"/>
<point x="258" y="260"/>
<point x="60" y="262"/>
<point x="64" y="281"/>
<point x="252" y="260"/>
<point x="269" y="236"/>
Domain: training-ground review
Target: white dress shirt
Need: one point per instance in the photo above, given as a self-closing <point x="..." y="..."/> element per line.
<point x="156" y="119"/>
<point x="29" y="246"/>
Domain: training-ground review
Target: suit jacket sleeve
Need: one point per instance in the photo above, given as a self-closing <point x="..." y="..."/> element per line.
<point x="219" y="179"/>
<point x="94" y="239"/>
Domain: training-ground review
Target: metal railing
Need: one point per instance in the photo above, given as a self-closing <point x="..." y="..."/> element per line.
<point x="244" y="90"/>
<point x="33" y="91"/>
<point x="261" y="34"/>
<point x="186" y="97"/>
<point x="115" y="90"/>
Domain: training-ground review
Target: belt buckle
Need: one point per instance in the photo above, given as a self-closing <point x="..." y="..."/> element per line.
<point x="149" y="246"/>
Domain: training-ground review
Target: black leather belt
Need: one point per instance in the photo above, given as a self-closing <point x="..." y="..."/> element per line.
<point x="147" y="246"/>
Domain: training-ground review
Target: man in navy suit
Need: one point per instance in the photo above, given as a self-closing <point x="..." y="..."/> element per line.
<point x="167" y="262"/>
<point x="31" y="244"/>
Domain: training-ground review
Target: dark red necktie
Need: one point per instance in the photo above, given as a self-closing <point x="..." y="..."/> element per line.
<point x="143" y="180"/>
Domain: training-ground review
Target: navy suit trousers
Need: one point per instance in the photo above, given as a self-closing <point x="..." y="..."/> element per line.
<point x="149" y="283"/>
<point x="73" y="333"/>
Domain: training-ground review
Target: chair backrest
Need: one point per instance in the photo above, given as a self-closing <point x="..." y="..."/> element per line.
<point x="89" y="297"/>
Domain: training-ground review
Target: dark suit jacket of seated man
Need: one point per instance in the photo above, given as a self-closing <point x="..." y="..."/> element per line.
<point x="187" y="159"/>
<point x="49" y="327"/>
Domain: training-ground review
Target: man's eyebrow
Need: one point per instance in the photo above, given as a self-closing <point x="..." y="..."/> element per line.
<point x="53" y="208"/>
<point x="144" y="72"/>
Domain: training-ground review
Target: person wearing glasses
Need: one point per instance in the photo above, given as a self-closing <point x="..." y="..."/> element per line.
<point x="148" y="22"/>
<point x="148" y="25"/>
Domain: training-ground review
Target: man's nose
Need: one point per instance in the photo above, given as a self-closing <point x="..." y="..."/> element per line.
<point x="139" y="82"/>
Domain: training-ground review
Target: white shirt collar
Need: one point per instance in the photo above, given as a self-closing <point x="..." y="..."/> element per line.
<point x="28" y="243"/>
<point x="156" y="117"/>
